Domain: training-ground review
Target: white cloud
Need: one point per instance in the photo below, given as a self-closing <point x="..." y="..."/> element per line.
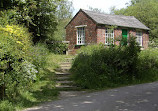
<point x="104" y="5"/>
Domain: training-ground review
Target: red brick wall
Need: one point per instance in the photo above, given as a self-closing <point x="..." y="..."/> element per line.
<point x="100" y="35"/>
<point x="90" y="30"/>
<point x="145" y="37"/>
<point x="145" y="40"/>
<point x="94" y="33"/>
<point x="118" y="33"/>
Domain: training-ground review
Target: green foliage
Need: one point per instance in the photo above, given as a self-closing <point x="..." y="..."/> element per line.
<point x="145" y="11"/>
<point x="57" y="47"/>
<point x="60" y="33"/>
<point x="44" y="20"/>
<point x="39" y="55"/>
<point x="24" y="75"/>
<point x="16" y="65"/>
<point x="37" y="15"/>
<point x="5" y="17"/>
<point x="6" y="106"/>
<point x="148" y="65"/>
<point x="64" y="15"/>
<point x="98" y="67"/>
<point x="64" y="9"/>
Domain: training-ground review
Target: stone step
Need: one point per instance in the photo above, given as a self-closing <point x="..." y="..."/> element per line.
<point x="69" y="59"/>
<point x="64" y="78"/>
<point x="60" y="82"/>
<point x="65" y="63"/>
<point x="65" y="70"/>
<point x="62" y="74"/>
<point x="65" y="67"/>
<point x="65" y="82"/>
<point x="64" y="86"/>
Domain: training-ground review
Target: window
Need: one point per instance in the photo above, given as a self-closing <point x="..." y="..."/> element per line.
<point x="139" y="38"/>
<point x="109" y="36"/>
<point x="80" y="35"/>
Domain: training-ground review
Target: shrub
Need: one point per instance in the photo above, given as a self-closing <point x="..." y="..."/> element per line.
<point x="57" y="47"/>
<point x="39" y="55"/>
<point x="6" y="106"/>
<point x="17" y="70"/>
<point x="98" y="67"/>
<point x="148" y="65"/>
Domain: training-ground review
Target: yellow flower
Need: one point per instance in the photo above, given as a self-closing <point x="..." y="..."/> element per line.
<point x="19" y="42"/>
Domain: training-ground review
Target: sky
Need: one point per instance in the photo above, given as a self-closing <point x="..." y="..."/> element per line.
<point x="104" y="5"/>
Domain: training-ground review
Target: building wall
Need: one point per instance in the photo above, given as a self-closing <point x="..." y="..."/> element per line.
<point x="100" y="35"/>
<point x="90" y="31"/>
<point x="145" y="37"/>
<point x="145" y="40"/>
<point x="94" y="33"/>
<point x="118" y="34"/>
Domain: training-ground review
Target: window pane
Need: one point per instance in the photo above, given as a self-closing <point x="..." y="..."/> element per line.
<point x="109" y="36"/>
<point x="139" y="38"/>
<point x="81" y="35"/>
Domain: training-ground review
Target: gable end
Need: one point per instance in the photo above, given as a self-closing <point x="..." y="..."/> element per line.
<point x="76" y="16"/>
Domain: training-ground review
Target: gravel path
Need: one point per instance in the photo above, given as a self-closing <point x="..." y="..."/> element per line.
<point x="143" y="97"/>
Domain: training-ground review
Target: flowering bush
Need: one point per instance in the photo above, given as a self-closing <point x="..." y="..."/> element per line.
<point x="17" y="70"/>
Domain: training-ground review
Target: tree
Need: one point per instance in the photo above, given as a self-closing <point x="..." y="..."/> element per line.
<point x="145" y="11"/>
<point x="64" y="15"/>
<point x="37" y="15"/>
<point x="5" y="4"/>
<point x="43" y="20"/>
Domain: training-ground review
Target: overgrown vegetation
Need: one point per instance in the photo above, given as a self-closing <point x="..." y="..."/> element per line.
<point x="26" y="73"/>
<point x="24" y="77"/>
<point x="17" y="68"/>
<point x="57" y="47"/>
<point x="99" y="67"/>
<point x="43" y="88"/>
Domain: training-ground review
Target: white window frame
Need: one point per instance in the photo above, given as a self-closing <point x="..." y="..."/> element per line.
<point x="139" y="38"/>
<point x="109" y="36"/>
<point x="80" y="35"/>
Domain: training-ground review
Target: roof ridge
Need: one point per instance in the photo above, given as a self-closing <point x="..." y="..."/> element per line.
<point x="105" y="13"/>
<point x="111" y="19"/>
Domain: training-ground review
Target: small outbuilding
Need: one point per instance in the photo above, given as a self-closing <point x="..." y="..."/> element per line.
<point x="89" y="27"/>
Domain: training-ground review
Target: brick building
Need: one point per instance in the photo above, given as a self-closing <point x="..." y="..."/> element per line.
<point x="88" y="27"/>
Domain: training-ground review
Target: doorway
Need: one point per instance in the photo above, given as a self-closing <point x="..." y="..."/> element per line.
<point x="124" y="36"/>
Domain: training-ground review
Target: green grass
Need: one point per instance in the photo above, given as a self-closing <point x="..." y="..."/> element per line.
<point x="41" y="91"/>
<point x="55" y="59"/>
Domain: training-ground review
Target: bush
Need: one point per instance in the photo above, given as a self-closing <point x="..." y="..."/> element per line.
<point x="17" y="70"/>
<point x="98" y="67"/>
<point x="24" y="74"/>
<point x="57" y="47"/>
<point x="39" y="55"/>
<point x="148" y="65"/>
<point x="6" y="106"/>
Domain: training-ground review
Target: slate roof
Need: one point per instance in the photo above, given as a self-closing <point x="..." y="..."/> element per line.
<point x="117" y="20"/>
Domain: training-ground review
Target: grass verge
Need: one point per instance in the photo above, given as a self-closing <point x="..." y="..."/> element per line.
<point x="42" y="90"/>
